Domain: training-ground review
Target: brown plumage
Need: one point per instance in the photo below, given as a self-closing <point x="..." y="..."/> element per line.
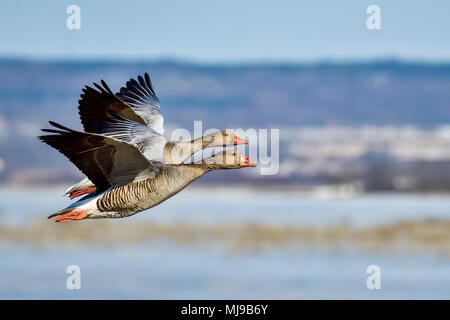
<point x="131" y="198"/>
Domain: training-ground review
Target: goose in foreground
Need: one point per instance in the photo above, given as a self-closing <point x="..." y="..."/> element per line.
<point x="133" y="115"/>
<point x="127" y="182"/>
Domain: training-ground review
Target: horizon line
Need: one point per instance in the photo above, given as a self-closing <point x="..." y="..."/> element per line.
<point x="257" y="62"/>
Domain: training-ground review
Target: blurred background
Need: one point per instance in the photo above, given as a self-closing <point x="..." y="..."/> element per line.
<point x="364" y="176"/>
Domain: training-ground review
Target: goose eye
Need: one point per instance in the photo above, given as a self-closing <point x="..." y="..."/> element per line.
<point x="213" y="155"/>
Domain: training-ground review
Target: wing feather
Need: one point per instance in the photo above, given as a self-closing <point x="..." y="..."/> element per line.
<point x="104" y="160"/>
<point x="137" y="102"/>
<point x="141" y="96"/>
<point x="94" y="105"/>
<point x="149" y="142"/>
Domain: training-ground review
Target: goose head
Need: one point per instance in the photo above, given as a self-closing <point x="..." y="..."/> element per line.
<point x="222" y="139"/>
<point x="229" y="159"/>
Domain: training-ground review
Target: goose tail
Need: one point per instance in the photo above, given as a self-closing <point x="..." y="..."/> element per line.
<point x="83" y="187"/>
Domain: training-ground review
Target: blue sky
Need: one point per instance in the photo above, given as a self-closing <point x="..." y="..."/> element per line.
<point x="226" y="31"/>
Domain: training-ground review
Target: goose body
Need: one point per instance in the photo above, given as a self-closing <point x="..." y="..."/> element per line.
<point x="129" y="199"/>
<point x="133" y="115"/>
<point x="127" y="182"/>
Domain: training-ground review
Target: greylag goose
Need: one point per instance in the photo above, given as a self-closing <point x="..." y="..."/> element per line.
<point x="127" y="181"/>
<point x="133" y="115"/>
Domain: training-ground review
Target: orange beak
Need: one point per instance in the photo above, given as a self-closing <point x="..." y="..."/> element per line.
<point x="247" y="162"/>
<point x="238" y="140"/>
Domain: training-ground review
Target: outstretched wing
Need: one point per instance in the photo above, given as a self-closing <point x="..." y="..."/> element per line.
<point x="140" y="96"/>
<point x="104" y="160"/>
<point x="94" y="105"/>
<point x="149" y="142"/>
<point x="137" y="102"/>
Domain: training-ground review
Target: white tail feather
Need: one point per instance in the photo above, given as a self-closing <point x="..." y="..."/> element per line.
<point x="83" y="184"/>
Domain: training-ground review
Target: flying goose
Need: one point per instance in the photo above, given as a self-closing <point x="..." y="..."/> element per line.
<point x="133" y="115"/>
<point x="127" y="181"/>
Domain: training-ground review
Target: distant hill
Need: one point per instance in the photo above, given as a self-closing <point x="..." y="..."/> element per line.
<point x="385" y="92"/>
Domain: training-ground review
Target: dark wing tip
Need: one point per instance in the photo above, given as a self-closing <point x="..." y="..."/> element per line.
<point x="99" y="87"/>
<point x="149" y="82"/>
<point x="60" y="126"/>
<point x="46" y="138"/>
<point x="52" y="131"/>
<point x="132" y="83"/>
<point x="106" y="86"/>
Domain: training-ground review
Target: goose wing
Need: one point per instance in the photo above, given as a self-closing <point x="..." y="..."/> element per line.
<point x="137" y="102"/>
<point x="104" y="160"/>
<point x="94" y="105"/>
<point x="140" y="96"/>
<point x="149" y="142"/>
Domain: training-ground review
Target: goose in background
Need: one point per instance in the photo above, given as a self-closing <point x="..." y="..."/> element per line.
<point x="127" y="181"/>
<point x="133" y="115"/>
